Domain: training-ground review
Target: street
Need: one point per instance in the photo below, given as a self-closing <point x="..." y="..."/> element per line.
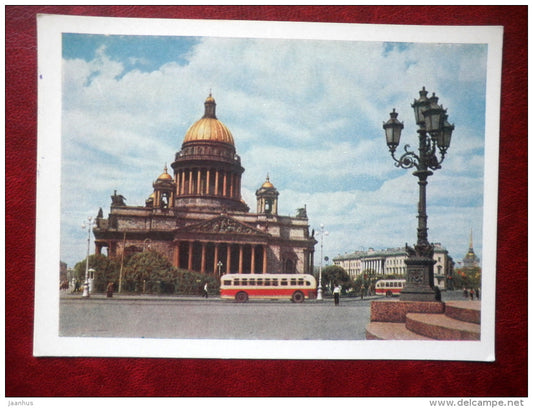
<point x="171" y="317"/>
<point x="175" y="317"/>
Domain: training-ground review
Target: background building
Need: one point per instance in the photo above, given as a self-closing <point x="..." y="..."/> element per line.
<point x="198" y="219"/>
<point x="392" y="261"/>
<point x="471" y="260"/>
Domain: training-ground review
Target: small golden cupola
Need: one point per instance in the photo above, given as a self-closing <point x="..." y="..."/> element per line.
<point x="164" y="188"/>
<point x="267" y="198"/>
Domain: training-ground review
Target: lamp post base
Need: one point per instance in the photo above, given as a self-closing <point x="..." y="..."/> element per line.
<point x="419" y="282"/>
<point x="85" y="293"/>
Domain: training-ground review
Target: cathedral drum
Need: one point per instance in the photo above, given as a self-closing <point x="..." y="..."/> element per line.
<point x="242" y="287"/>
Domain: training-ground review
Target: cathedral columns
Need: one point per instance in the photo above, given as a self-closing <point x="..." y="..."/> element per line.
<point x="225" y="184"/>
<point x="241" y="255"/>
<point x="215" y="261"/>
<point x="204" y="256"/>
<point x="228" y="259"/>
<point x="189" y="263"/>
<point x="265" y="259"/>
<point x="202" y="267"/>
<point x="176" y="255"/>
<point x="252" y="260"/>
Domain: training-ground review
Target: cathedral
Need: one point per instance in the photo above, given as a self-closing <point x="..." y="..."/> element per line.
<point x="197" y="218"/>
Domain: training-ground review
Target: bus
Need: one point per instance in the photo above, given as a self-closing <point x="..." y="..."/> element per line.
<point x="389" y="287"/>
<point x="241" y="287"/>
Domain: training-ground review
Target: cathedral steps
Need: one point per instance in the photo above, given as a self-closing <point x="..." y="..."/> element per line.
<point x="459" y="321"/>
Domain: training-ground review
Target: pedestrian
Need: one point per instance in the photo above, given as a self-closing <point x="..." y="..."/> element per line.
<point x="336" y="294"/>
<point x="477" y="293"/>
<point x="205" y="291"/>
<point x="438" y="295"/>
<point x="471" y="294"/>
<point x="465" y="293"/>
<point x="110" y="288"/>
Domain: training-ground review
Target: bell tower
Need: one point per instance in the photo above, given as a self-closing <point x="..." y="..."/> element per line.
<point x="267" y="198"/>
<point x="164" y="187"/>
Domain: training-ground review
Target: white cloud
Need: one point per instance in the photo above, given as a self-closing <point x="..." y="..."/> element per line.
<point x="307" y="113"/>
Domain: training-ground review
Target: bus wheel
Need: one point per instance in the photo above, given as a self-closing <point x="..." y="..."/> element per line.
<point x="241" y="297"/>
<point x="298" y="297"/>
<point x="389" y="293"/>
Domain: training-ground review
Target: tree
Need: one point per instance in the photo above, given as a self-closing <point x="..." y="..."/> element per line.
<point x="105" y="270"/>
<point x="191" y="283"/>
<point x="469" y="277"/>
<point x="149" y="271"/>
<point x="366" y="281"/>
<point x="335" y="274"/>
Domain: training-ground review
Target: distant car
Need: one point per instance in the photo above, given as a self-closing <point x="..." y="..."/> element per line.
<point x="389" y="287"/>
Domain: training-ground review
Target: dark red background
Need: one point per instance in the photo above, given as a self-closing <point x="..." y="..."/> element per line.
<point x="28" y="376"/>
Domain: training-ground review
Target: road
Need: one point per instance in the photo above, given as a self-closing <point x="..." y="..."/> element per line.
<point x="150" y="317"/>
<point x="213" y="318"/>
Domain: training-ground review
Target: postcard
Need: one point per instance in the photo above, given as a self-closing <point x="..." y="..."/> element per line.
<point x="266" y="190"/>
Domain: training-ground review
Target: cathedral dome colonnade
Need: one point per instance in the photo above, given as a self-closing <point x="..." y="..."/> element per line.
<point x="207" y="169"/>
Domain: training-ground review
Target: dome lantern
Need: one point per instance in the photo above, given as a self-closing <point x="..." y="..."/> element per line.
<point x="210" y="107"/>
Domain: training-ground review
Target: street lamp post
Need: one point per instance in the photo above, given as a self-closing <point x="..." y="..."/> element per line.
<point x="434" y="133"/>
<point x="219" y="265"/>
<point x="322" y="233"/>
<point x="89" y="225"/>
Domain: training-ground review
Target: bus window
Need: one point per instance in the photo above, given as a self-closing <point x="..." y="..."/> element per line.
<point x="227" y="282"/>
<point x="293" y="282"/>
<point x="275" y="282"/>
<point x="307" y="283"/>
<point x="244" y="282"/>
<point x="300" y="282"/>
<point x="252" y="282"/>
<point x="260" y="282"/>
<point x="237" y="282"/>
<point x="267" y="282"/>
<point x="284" y="282"/>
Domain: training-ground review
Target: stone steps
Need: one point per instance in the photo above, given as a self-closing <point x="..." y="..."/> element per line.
<point x="464" y="311"/>
<point x="391" y="331"/>
<point x="459" y="320"/>
<point x="441" y="327"/>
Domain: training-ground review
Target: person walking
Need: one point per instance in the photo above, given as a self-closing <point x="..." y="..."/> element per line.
<point x="110" y="288"/>
<point x="205" y="291"/>
<point x="336" y="294"/>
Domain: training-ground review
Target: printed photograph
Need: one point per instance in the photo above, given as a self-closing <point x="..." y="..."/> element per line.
<point x="228" y="191"/>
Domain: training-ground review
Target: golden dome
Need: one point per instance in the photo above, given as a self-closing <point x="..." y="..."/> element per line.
<point x="165" y="175"/>
<point x="267" y="183"/>
<point x="209" y="127"/>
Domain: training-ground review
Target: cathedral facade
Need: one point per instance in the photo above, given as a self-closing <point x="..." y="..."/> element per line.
<point x="197" y="218"/>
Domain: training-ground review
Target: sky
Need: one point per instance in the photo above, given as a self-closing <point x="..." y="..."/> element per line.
<point x="307" y="113"/>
